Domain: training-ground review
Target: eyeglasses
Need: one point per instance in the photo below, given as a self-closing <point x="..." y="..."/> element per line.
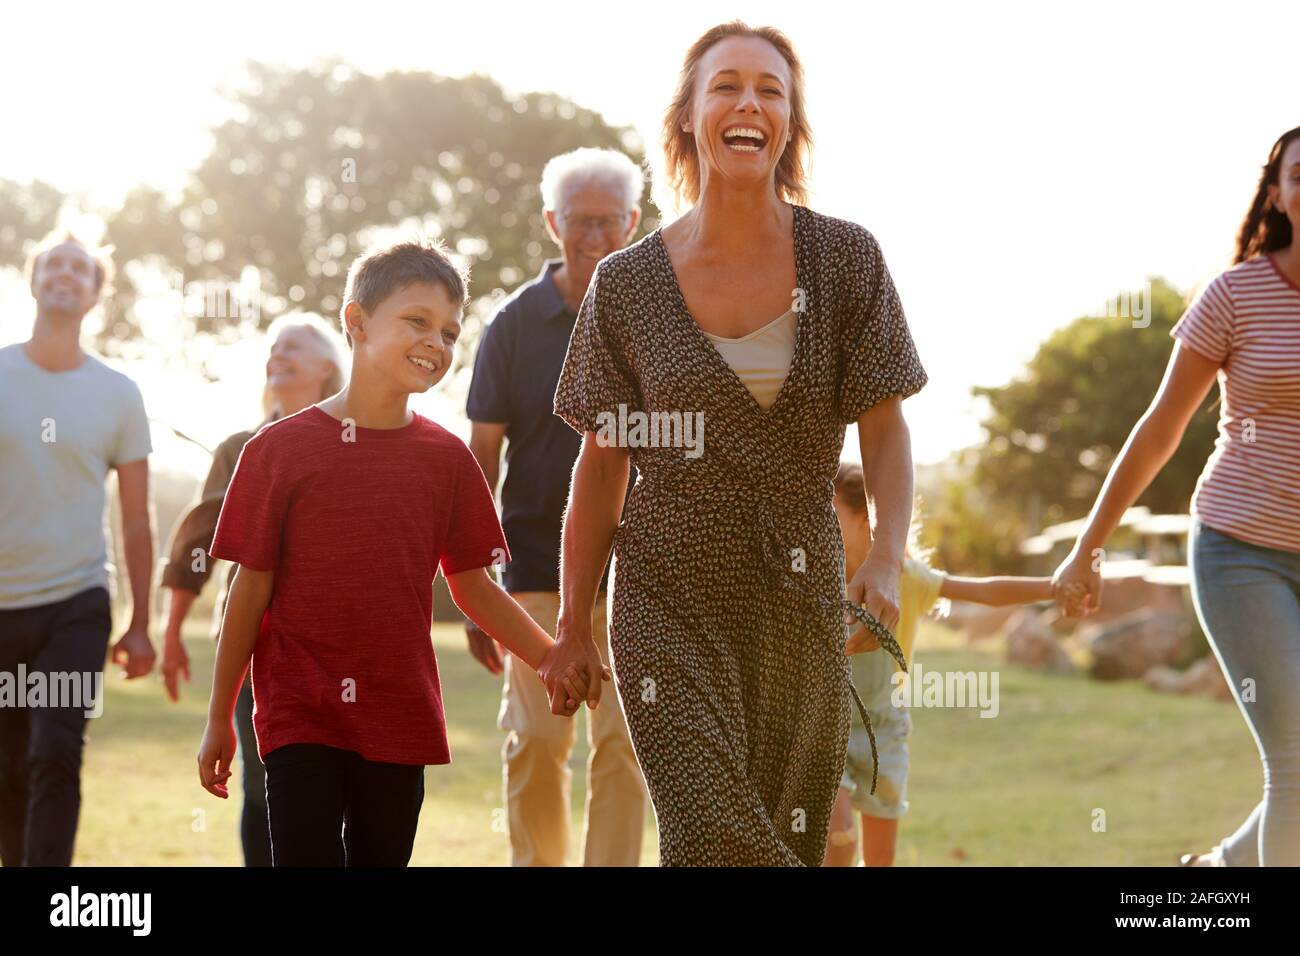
<point x="581" y="225"/>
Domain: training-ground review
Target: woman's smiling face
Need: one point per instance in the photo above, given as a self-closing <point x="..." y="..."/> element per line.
<point x="740" y="110"/>
<point x="1286" y="194"/>
<point x="297" y="363"/>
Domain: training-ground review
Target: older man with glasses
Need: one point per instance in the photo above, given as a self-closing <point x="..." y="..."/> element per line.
<point x="591" y="202"/>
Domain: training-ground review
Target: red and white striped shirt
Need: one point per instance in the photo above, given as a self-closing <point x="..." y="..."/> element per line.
<point x="1248" y="320"/>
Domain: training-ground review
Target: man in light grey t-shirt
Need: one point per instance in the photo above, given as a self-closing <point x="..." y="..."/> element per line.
<point x="66" y="418"/>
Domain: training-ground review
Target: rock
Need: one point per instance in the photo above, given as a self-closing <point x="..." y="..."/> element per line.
<point x="1030" y="643"/>
<point x="1135" y="643"/>
<point x="977" y="621"/>
<point x="1122" y="596"/>
<point x="1164" y="679"/>
<point x="1203" y="678"/>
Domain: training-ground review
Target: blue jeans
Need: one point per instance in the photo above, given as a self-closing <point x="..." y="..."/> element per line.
<point x="1248" y="601"/>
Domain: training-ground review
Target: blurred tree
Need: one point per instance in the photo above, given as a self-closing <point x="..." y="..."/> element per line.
<point x="969" y="531"/>
<point x="27" y="213"/>
<point x="1054" y="432"/>
<point x="312" y="160"/>
<point x="143" y="231"/>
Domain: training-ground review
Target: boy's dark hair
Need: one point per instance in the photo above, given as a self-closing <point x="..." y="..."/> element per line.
<point x="379" y="273"/>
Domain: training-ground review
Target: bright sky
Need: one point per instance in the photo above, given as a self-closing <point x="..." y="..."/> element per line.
<point x="1018" y="163"/>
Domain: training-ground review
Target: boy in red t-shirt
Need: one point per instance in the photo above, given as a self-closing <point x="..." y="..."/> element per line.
<point x="339" y="518"/>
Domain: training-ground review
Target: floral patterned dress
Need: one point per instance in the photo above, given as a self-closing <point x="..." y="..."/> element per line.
<point x="726" y="630"/>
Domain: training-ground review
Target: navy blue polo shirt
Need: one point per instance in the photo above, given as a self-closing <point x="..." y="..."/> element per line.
<point x="516" y="370"/>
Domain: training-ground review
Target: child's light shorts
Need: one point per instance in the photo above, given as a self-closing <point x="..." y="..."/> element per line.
<point x="889" y="802"/>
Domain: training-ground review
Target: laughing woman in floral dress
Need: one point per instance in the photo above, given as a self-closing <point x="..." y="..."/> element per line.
<point x="728" y="626"/>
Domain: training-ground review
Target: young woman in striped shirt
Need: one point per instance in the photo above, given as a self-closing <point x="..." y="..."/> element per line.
<point x="1244" y="546"/>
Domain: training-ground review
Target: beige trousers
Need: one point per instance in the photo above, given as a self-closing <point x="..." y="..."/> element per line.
<point x="536" y="756"/>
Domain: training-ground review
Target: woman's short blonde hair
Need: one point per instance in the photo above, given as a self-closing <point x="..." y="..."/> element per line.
<point x="331" y="349"/>
<point x="681" y="163"/>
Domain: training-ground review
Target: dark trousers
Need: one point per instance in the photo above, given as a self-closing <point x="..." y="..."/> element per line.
<point x="332" y="807"/>
<point x="41" y="747"/>
<point x="254" y="832"/>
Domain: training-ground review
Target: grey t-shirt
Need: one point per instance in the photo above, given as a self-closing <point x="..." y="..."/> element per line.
<point x="60" y="432"/>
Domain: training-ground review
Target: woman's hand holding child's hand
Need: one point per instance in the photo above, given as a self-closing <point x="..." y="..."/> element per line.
<point x="568" y="684"/>
<point x="1076" y="585"/>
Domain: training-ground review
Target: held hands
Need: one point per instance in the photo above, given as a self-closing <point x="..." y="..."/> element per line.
<point x="570" y="691"/>
<point x="1076" y="585"/>
<point x="216" y="753"/>
<point x="875" y="586"/>
<point x="571" y="687"/>
<point x="572" y="671"/>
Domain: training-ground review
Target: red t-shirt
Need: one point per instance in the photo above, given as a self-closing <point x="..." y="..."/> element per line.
<point x="355" y="532"/>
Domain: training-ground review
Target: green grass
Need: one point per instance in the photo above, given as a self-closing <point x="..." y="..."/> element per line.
<point x="1170" y="773"/>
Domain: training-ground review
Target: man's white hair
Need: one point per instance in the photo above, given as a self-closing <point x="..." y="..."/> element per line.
<point x="584" y="166"/>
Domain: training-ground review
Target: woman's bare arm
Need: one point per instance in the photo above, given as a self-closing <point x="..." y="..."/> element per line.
<point x="1149" y="447"/>
<point x="590" y="520"/>
<point x="886" y="447"/>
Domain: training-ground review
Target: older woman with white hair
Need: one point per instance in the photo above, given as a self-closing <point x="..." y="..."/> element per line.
<point x="591" y="201"/>
<point x="305" y="365"/>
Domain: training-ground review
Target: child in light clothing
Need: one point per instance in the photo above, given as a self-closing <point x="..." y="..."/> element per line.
<point x="920" y="589"/>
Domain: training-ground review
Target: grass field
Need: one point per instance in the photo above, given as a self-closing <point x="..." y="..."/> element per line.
<point x="1170" y="773"/>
